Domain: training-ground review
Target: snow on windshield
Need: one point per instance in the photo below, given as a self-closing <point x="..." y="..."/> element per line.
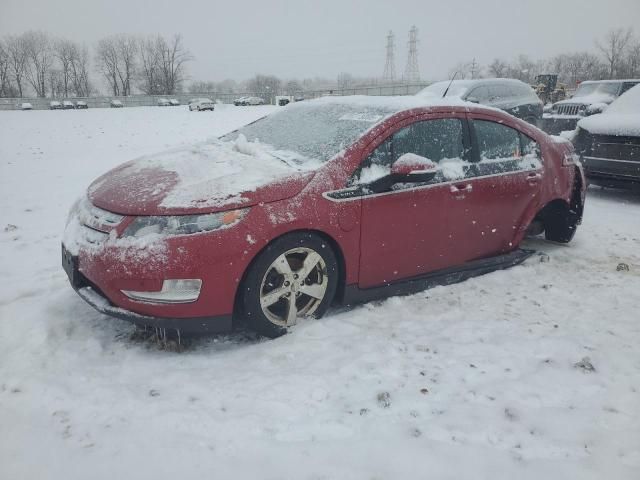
<point x="629" y="102"/>
<point x="314" y="131"/>
<point x="604" y="88"/>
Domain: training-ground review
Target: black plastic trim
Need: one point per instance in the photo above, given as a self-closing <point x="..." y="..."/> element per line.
<point x="354" y="294"/>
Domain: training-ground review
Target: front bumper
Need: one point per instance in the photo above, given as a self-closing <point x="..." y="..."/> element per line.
<point x="90" y="293"/>
<point x="554" y="124"/>
<point x="612" y="173"/>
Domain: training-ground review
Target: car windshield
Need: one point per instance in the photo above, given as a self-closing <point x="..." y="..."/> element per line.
<point x="605" y="88"/>
<point x="457" y="89"/>
<point x="315" y="132"/>
<point x="627" y="103"/>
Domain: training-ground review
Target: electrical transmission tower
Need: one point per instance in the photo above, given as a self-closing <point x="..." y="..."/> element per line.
<point x="389" y="74"/>
<point x="412" y="72"/>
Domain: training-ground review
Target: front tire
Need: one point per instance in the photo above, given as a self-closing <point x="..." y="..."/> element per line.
<point x="295" y="276"/>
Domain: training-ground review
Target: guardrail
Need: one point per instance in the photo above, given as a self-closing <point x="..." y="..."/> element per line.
<point x="220" y="97"/>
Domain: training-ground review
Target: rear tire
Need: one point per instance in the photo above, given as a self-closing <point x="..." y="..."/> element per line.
<point x="560" y="227"/>
<point x="295" y="276"/>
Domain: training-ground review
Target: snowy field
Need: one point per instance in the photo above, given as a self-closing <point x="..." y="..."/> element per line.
<point x="476" y="380"/>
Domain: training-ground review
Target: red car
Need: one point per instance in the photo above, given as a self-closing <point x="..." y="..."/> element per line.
<point x="332" y="200"/>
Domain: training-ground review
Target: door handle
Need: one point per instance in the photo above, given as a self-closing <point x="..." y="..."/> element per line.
<point x="461" y="189"/>
<point x="534" y="177"/>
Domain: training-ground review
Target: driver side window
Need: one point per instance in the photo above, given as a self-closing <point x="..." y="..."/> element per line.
<point x="440" y="141"/>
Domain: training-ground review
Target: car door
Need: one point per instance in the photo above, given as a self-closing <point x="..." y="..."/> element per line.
<point x="506" y="182"/>
<point x="404" y="231"/>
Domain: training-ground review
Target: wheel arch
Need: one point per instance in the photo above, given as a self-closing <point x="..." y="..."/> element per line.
<point x="335" y="247"/>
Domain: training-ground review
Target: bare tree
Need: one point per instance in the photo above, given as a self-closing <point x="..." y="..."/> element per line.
<point x="80" y="71"/>
<point x="64" y="51"/>
<point x="293" y="88"/>
<point x="613" y="48"/>
<point x="17" y="51"/>
<point x="40" y="60"/>
<point x="581" y="66"/>
<point x="265" y="86"/>
<point x="5" y="83"/>
<point x="162" y="65"/>
<point x="56" y="83"/>
<point x="632" y="60"/>
<point x="498" y="68"/>
<point x="173" y="57"/>
<point x="127" y="50"/>
<point x="107" y="63"/>
<point x="150" y="71"/>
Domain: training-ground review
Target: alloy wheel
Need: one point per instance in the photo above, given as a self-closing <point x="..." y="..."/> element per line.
<point x="293" y="286"/>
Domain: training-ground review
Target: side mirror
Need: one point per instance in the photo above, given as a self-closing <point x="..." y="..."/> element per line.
<point x="410" y="168"/>
<point x="473" y="100"/>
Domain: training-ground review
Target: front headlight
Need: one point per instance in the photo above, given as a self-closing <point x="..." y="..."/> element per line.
<point x="183" y="224"/>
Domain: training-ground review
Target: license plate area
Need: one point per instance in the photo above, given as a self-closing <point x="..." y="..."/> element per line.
<point x="70" y="266"/>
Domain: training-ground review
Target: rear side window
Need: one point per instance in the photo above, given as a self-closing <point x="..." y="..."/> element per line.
<point x="496" y="140"/>
<point x="503" y="149"/>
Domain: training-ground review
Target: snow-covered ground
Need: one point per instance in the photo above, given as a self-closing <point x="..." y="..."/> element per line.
<point x="476" y="380"/>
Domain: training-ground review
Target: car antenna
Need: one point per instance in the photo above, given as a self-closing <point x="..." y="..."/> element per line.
<point x="449" y="86"/>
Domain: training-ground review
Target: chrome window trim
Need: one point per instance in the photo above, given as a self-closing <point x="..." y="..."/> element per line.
<point x="421" y="187"/>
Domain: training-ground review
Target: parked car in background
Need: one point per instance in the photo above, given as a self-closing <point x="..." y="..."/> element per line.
<point x="245" y="101"/>
<point x="163" y="102"/>
<point x="25" y="106"/>
<point x="68" y="105"/>
<point x="240" y="101"/>
<point x="202" y="104"/>
<point x="591" y="97"/>
<point x="342" y="198"/>
<point x="254" y="101"/>
<point x="81" y="105"/>
<point x="116" y="104"/>
<point x="55" y="105"/>
<point x="609" y="143"/>
<point x="512" y="96"/>
<point x="174" y="102"/>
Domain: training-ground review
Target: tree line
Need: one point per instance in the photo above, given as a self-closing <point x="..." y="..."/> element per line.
<point x="37" y="63"/>
<point x="615" y="56"/>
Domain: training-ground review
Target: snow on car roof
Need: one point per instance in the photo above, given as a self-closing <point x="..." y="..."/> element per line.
<point x="621" y="118"/>
<point x="623" y="80"/>
<point x="390" y="104"/>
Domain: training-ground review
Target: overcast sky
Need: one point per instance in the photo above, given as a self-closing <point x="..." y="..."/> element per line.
<point x="238" y="38"/>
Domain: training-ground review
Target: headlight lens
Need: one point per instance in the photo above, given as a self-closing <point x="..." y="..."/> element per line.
<point x="183" y="224"/>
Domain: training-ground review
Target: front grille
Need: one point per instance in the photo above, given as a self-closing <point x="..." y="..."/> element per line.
<point x="568" y="109"/>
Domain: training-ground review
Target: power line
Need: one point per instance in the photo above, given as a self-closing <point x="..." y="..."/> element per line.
<point x="412" y="72"/>
<point x="389" y="74"/>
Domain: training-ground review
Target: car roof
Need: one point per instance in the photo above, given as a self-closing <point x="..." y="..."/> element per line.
<point x="483" y="81"/>
<point x="391" y="105"/>
<point x="623" y="80"/>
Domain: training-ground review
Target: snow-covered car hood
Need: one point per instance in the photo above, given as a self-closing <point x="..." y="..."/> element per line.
<point x="622" y="118"/>
<point x="612" y="124"/>
<point x="587" y="100"/>
<point x="207" y="177"/>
